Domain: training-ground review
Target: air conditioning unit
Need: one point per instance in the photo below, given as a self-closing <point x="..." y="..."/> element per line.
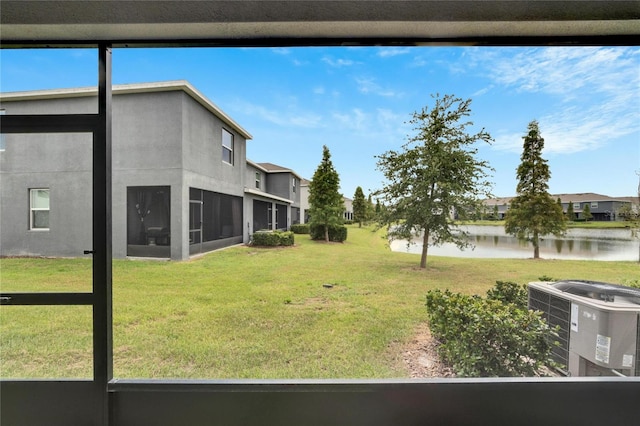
<point x="599" y="326"/>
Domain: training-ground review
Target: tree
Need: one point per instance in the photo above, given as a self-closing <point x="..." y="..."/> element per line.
<point x="533" y="212"/>
<point x="631" y="214"/>
<point x="370" y="210"/>
<point x="586" y="213"/>
<point x="495" y="212"/>
<point x="570" y="213"/>
<point x="326" y="205"/>
<point x="435" y="174"/>
<point x="359" y="207"/>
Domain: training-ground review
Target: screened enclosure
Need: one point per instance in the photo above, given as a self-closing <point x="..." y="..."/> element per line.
<point x="149" y="221"/>
<point x="215" y="220"/>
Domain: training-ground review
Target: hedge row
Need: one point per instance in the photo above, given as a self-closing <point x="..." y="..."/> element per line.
<point x="273" y="238"/>
<point x="300" y="228"/>
<point x="488" y="338"/>
<point x="336" y="233"/>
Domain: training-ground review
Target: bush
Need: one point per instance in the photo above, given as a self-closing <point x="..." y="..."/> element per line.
<point x="272" y="238"/>
<point x="336" y="233"/>
<point x="300" y="228"/>
<point x="509" y="292"/>
<point x="484" y="338"/>
<point x="286" y="238"/>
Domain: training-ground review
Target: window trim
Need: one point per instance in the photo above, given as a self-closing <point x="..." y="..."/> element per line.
<point x="258" y="180"/>
<point x="226" y="148"/>
<point x="2" y="139"/>
<point x="33" y="209"/>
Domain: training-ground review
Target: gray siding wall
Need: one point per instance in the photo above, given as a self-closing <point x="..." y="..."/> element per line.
<point x="60" y="162"/>
<point x="159" y="139"/>
<point x="203" y="167"/>
<point x="250" y="178"/>
<point x="280" y="184"/>
<point x="147" y="151"/>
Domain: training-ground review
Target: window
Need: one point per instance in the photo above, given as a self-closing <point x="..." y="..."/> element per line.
<point x="594" y="205"/>
<point x="227" y="147"/>
<point x="258" y="176"/>
<point x="576" y="206"/>
<point x="39" y="209"/>
<point x="294" y="185"/>
<point x="2" y="112"/>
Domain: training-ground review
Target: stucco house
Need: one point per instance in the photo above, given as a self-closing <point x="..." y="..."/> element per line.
<point x="602" y="207"/>
<point x="181" y="183"/>
<point x="272" y="196"/>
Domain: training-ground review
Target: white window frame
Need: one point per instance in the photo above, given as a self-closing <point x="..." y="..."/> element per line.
<point x="576" y="206"/>
<point x="227" y="147"/>
<point x="594" y="204"/>
<point x="2" y="141"/>
<point x="258" y="179"/>
<point x="33" y="209"/>
<point x="294" y="185"/>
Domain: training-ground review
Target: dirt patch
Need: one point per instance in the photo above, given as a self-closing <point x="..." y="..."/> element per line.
<point x="420" y="356"/>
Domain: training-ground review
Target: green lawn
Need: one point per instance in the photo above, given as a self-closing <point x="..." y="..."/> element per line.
<point x="253" y="313"/>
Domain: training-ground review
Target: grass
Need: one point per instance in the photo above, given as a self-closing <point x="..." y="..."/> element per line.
<point x="248" y="312"/>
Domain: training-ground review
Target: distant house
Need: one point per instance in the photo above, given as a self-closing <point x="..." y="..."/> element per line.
<point x="304" y="203"/>
<point x="272" y="196"/>
<point x="602" y="207"/>
<point x="348" y="208"/>
<point x="181" y="183"/>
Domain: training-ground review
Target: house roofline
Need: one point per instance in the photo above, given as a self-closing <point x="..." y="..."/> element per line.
<point x="267" y="195"/>
<point x="123" y="89"/>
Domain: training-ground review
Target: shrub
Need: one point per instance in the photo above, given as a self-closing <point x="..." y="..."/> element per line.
<point x="480" y="337"/>
<point x="336" y="233"/>
<point x="286" y="238"/>
<point x="509" y="292"/>
<point x="265" y="238"/>
<point x="272" y="238"/>
<point x="300" y="228"/>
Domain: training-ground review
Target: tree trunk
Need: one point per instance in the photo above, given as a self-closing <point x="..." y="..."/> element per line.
<point x="326" y="233"/>
<point x="536" y="246"/>
<point x="425" y="249"/>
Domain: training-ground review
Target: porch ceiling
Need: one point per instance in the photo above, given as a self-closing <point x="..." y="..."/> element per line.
<point x="28" y="22"/>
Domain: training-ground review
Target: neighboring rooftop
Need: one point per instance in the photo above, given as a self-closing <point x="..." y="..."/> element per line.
<point x="121" y="89"/>
<point x="567" y="198"/>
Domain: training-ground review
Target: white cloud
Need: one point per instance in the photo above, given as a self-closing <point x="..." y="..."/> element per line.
<point x="281" y="51"/>
<point x="482" y="91"/>
<point x="319" y="90"/>
<point x="369" y="86"/>
<point x="284" y="118"/>
<point x="387" y="52"/>
<point x="338" y="63"/>
<point x="570" y="78"/>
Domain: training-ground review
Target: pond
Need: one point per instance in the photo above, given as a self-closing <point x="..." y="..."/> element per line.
<point x="578" y="243"/>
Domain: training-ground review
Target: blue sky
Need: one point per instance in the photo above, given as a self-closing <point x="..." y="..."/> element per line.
<point x="357" y="100"/>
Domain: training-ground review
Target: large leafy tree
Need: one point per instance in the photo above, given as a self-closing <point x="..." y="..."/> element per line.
<point x="533" y="213"/>
<point x="359" y="207"/>
<point x="435" y="174"/>
<point x="326" y="205"/>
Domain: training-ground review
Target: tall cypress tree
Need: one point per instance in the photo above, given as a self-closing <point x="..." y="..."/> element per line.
<point x="359" y="207"/>
<point x="326" y="205"/>
<point x="533" y="212"/>
<point x="570" y="213"/>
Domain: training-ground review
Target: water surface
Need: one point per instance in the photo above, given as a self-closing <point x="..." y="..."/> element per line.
<point x="578" y="243"/>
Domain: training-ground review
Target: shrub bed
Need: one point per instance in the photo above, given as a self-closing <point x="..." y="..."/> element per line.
<point x="300" y="228"/>
<point x="336" y="233"/>
<point x="273" y="238"/>
<point x="488" y="338"/>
